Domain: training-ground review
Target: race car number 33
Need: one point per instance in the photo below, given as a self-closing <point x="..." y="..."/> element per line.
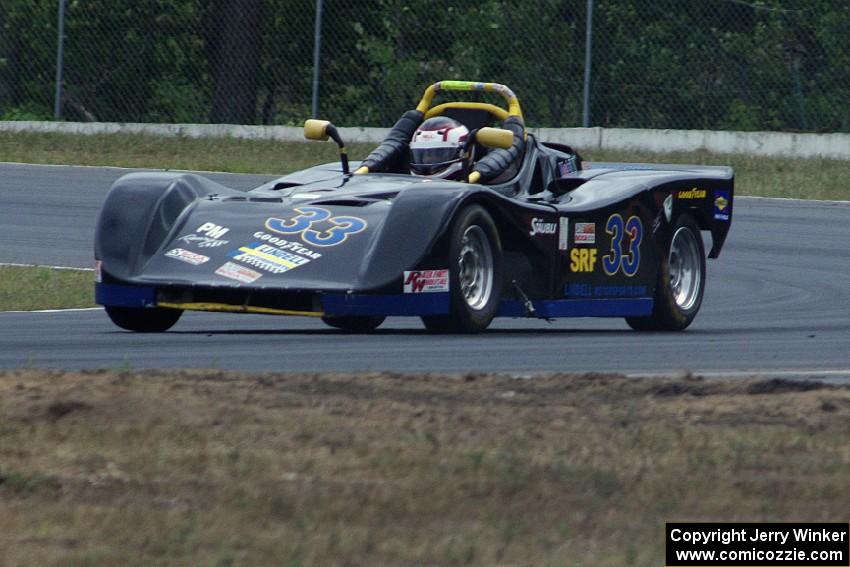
<point x="309" y="217"/>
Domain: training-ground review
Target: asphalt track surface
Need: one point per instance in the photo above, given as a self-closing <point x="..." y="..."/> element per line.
<point x="777" y="303"/>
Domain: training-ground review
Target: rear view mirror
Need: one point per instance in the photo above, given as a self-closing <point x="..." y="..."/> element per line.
<point x="495" y="138"/>
<point x="316" y="130"/>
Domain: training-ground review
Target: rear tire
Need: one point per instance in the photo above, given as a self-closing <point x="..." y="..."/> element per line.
<point x="681" y="281"/>
<point x="353" y="324"/>
<point x="475" y="274"/>
<point x="142" y="319"/>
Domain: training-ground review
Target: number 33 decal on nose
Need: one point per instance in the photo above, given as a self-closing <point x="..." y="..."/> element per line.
<point x="616" y="260"/>
<point x="308" y="217"/>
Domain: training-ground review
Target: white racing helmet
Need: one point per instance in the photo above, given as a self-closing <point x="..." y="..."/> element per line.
<point x="436" y="149"/>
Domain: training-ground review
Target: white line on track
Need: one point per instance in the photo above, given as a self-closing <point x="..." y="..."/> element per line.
<point x="71" y="268"/>
<point x="121" y="168"/>
<point x="56" y="310"/>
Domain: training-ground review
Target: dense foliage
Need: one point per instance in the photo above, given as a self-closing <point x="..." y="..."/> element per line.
<point x="718" y="64"/>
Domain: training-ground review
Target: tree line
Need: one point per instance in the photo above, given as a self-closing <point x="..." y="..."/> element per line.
<point x="696" y="64"/>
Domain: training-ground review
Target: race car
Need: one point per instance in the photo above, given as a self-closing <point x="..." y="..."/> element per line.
<point x="525" y="229"/>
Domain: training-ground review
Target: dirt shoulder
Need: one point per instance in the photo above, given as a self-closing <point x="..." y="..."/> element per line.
<point x="215" y="468"/>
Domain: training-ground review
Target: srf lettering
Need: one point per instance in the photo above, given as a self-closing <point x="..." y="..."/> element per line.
<point x="582" y="259"/>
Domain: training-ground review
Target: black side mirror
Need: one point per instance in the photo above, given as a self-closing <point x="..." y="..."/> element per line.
<point x="322" y="130"/>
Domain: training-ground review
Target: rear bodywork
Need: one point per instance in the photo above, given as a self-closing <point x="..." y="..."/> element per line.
<point x="318" y="242"/>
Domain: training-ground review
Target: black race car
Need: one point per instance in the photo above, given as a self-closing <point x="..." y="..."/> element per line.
<point x="529" y="231"/>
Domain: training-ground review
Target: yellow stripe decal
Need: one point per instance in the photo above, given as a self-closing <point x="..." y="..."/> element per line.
<point x="224" y="307"/>
<point x="269" y="257"/>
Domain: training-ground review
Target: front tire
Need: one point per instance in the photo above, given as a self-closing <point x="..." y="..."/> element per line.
<point x="475" y="274"/>
<point x="353" y="324"/>
<point x="143" y="320"/>
<point x="681" y="281"/>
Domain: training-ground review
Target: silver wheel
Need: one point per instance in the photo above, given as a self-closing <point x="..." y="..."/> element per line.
<point x="475" y="267"/>
<point x="685" y="268"/>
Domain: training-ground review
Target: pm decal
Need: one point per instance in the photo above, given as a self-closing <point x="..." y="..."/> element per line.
<point x="317" y="226"/>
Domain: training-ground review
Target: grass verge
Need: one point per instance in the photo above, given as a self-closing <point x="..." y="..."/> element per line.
<point x="390" y="469"/>
<point x="28" y="288"/>
<point x="767" y="177"/>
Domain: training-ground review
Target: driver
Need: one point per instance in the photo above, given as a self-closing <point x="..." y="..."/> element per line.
<point x="437" y="149"/>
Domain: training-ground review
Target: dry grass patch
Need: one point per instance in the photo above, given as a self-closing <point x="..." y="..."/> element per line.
<point x="213" y="468"/>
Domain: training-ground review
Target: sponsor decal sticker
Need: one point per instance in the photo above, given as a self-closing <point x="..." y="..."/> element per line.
<point x="425" y="281"/>
<point x="187" y="256"/>
<point x="238" y="273"/>
<point x="567" y="166"/>
<point x="289" y="245"/>
<point x="585" y="233"/>
<point x="540" y="226"/>
<point x="721" y="205"/>
<point x="694" y="193"/>
<point x="563" y="233"/>
<point x="590" y="290"/>
<point x="202" y="241"/>
<point x="316" y="226"/>
<point x="582" y="260"/>
<point x="268" y="258"/>
<point x="212" y="230"/>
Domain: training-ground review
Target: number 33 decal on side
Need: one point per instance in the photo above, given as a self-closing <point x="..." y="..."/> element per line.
<point x="616" y="260"/>
<point x="308" y="217"/>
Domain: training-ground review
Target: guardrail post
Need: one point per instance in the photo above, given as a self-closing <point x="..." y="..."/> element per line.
<point x="60" y="61"/>
<point x="317" y="48"/>
<point x="588" y="45"/>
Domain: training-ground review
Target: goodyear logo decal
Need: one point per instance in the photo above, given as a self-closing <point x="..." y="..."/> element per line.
<point x="692" y="194"/>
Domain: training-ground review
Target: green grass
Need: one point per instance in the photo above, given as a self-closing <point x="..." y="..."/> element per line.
<point x="760" y="176"/>
<point x="28" y="288"/>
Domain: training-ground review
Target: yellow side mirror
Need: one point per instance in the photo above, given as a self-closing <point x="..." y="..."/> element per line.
<point x="495" y="138"/>
<point x="316" y="130"/>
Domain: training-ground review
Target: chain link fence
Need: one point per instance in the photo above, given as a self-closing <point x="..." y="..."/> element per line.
<point x="687" y="64"/>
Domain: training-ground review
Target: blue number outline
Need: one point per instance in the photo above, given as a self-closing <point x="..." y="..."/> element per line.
<point x="614" y="227"/>
<point x="307" y="217"/>
<point x="630" y="263"/>
<point x="634" y="228"/>
<point x="343" y="226"/>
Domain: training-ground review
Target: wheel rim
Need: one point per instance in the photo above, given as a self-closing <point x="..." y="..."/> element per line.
<point x="475" y="267"/>
<point x="685" y="268"/>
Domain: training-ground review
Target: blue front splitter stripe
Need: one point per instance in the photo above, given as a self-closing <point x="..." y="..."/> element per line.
<point x="411" y="304"/>
<point x="438" y="304"/>
<point x="124" y="295"/>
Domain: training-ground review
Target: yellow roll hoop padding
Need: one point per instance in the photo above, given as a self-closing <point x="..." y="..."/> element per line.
<point x="316" y="130"/>
<point x="495" y="137"/>
<point x="499" y="113"/>
<point x="506" y="93"/>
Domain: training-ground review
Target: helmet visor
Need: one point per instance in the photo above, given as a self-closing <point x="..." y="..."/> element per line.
<point x="427" y="161"/>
